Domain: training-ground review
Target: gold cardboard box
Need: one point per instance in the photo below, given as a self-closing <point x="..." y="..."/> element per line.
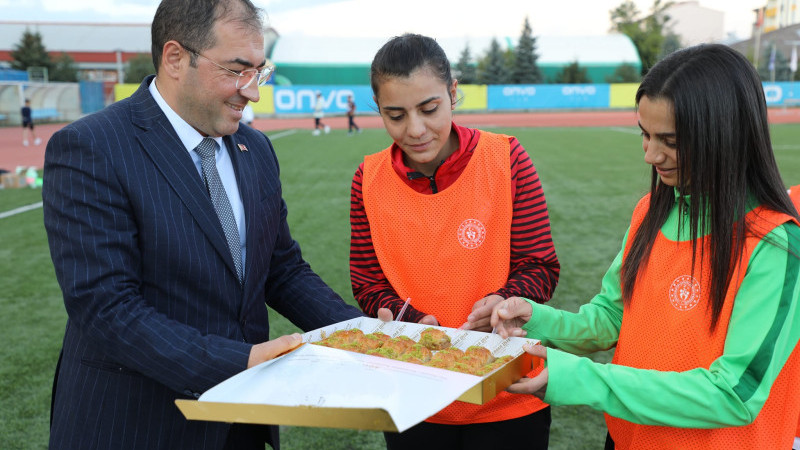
<point x="346" y="402"/>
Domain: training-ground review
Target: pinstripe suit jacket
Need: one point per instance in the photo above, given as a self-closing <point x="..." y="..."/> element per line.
<point x="155" y="309"/>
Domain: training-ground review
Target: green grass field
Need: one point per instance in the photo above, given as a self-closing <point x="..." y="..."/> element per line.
<point x="592" y="178"/>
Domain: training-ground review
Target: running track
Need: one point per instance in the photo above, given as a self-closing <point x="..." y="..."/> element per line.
<point x="13" y="153"/>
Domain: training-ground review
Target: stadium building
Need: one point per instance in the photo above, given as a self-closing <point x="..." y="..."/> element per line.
<point x="102" y="50"/>
<point x="311" y="60"/>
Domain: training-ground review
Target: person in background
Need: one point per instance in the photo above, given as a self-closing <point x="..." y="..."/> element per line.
<point x="351" y="116"/>
<point x="27" y="125"/>
<point x="319" y="113"/>
<point x="247" y="115"/>
<point x="702" y="300"/>
<point x="454" y="219"/>
<point x="169" y="238"/>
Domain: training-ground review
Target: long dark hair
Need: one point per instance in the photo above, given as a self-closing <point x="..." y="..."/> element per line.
<point x="724" y="157"/>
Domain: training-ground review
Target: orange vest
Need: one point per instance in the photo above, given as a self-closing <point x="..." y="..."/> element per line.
<point x="448" y="250"/>
<point x="794" y="194"/>
<point x="665" y="327"/>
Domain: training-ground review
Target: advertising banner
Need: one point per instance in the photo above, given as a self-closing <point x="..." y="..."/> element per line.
<point x="300" y="99"/>
<point x="124" y="90"/>
<point x="471" y="97"/>
<point x="623" y="95"/>
<point x="548" y="96"/>
<point x="782" y="94"/>
<point x="265" y="105"/>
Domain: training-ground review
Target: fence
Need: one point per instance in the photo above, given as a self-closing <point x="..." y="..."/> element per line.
<point x="287" y="100"/>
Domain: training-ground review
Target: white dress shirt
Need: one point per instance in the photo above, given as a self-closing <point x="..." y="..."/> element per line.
<point x="191" y="138"/>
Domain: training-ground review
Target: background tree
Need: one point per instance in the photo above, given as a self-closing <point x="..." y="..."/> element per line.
<point x="624" y="73"/>
<point x="509" y="60"/>
<point x="64" y="69"/>
<point x="672" y="42"/>
<point x="572" y="73"/>
<point x="782" y="70"/>
<point x="30" y="52"/>
<point x="524" y="69"/>
<point x="465" y="70"/>
<point x="492" y="68"/>
<point x="647" y="34"/>
<point x="139" y="67"/>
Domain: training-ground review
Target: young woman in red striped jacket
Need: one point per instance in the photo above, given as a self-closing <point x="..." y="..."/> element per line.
<point x="455" y="219"/>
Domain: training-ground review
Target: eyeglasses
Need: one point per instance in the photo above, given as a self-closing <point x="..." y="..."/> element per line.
<point x="244" y="78"/>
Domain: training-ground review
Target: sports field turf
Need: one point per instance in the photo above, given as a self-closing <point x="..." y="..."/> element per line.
<point x="592" y="178"/>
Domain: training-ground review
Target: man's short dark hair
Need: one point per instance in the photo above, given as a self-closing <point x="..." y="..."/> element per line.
<point x="190" y="21"/>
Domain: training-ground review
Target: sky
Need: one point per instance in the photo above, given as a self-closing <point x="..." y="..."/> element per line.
<point x="354" y="18"/>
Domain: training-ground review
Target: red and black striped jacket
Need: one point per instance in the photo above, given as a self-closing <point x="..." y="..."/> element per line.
<point x="534" y="267"/>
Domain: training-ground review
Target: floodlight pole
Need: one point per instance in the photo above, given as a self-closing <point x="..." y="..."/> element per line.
<point x="757" y="47"/>
<point x="120" y="73"/>
<point x="793" y="68"/>
<point x="772" y="59"/>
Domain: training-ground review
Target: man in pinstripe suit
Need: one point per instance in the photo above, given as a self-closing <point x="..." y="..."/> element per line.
<point x="157" y="310"/>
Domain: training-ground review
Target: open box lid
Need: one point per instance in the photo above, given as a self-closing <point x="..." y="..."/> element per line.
<point x="327" y="387"/>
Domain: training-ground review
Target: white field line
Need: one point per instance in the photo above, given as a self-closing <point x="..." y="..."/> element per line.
<point x="272" y="137"/>
<point x="20" y="210"/>
<point x="625" y="130"/>
<point x="23" y="209"/>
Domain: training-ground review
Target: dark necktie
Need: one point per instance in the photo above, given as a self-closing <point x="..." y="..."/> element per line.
<point x="207" y="151"/>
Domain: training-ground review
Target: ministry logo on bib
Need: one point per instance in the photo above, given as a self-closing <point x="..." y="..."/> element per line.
<point x="684" y="293"/>
<point x="471" y="233"/>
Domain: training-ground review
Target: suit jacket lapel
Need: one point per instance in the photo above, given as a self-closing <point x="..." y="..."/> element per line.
<point x="159" y="140"/>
